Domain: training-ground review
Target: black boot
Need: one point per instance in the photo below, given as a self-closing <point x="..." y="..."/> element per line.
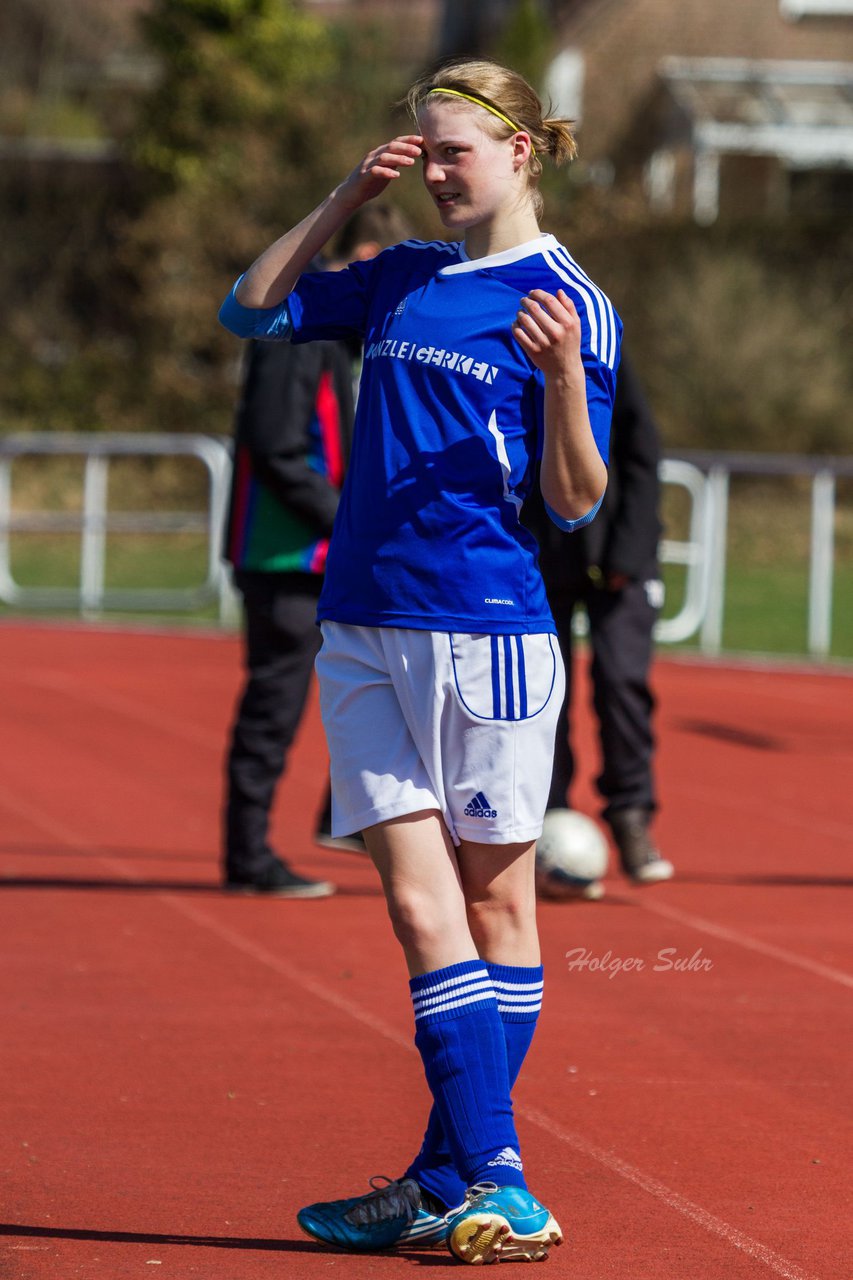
<point x="641" y="861"/>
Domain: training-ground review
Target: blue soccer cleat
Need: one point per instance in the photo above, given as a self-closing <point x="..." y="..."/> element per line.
<point x="502" y="1224"/>
<point x="391" y="1216"/>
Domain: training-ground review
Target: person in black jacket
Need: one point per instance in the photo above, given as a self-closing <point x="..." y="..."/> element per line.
<point x="292" y="440"/>
<point x="611" y="567"/>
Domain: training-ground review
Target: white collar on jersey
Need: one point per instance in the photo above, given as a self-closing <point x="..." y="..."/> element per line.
<point x="541" y="244"/>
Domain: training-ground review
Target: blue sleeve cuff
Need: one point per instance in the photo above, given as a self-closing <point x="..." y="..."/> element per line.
<point x="255" y="322"/>
<point x="569" y="526"/>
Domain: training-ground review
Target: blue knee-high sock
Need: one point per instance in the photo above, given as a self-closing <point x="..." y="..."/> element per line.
<point x="519" y="995"/>
<point x="460" y="1037"/>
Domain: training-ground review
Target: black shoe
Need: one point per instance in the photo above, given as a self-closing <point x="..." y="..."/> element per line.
<point x="278" y="881"/>
<point x="351" y="844"/>
<point x="641" y="861"/>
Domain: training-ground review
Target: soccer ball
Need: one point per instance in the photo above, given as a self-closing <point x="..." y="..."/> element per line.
<point x="571" y="856"/>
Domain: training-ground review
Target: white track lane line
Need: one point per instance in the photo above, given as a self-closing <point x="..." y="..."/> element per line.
<point x="813" y="823"/>
<point x="744" y="940"/>
<point x="708" y="1221"/>
<point x="695" y="1213"/>
<point x="133" y="710"/>
<point x="121" y="704"/>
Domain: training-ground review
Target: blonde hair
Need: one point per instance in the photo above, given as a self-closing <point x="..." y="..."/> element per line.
<point x="509" y="95"/>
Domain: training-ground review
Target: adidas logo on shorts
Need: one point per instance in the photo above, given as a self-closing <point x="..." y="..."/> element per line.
<point x="479" y="807"/>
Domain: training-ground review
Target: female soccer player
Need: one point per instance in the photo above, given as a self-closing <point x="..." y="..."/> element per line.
<point x="440" y="679"/>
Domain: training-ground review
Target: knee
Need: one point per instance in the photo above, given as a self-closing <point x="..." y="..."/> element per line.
<point x="497" y="918"/>
<point x="420" y="922"/>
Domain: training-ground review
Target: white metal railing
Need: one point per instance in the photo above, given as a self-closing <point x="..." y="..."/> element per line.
<point x="716" y="470"/>
<point x="705" y="477"/>
<point x="692" y="553"/>
<point x="94" y="521"/>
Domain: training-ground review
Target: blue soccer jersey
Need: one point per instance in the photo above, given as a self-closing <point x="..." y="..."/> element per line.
<point x="448" y="429"/>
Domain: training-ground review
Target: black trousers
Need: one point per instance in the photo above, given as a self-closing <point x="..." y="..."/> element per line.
<point x="620" y="635"/>
<point x="281" y="641"/>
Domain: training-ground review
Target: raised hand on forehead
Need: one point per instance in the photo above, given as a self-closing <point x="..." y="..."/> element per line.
<point x="382" y="165"/>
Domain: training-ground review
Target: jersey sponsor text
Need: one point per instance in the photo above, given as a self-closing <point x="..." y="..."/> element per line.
<point x="395" y="349"/>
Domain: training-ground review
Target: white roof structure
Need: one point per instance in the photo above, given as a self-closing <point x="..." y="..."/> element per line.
<point x="801" y="113"/>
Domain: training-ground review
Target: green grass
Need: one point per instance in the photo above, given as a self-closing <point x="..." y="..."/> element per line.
<point x="767" y="567"/>
<point x="138" y="561"/>
<point x="766" y="610"/>
<point x="142" y="561"/>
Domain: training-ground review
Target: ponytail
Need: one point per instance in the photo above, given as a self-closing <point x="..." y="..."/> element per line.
<point x="560" y="143"/>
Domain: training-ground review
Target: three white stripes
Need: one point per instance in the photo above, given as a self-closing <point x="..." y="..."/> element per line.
<point x="518" y="997"/>
<point x="599" y="310"/>
<point x="474" y="988"/>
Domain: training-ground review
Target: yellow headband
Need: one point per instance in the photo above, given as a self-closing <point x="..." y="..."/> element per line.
<point x="478" y="102"/>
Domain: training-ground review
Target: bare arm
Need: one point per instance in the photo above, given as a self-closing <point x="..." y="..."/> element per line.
<point x="573" y="475"/>
<point x="273" y="275"/>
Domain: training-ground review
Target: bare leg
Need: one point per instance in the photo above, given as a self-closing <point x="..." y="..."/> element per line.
<point x="418" y="866"/>
<point x="500" y="901"/>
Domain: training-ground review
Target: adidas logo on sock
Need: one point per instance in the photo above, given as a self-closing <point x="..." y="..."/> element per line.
<point x="479" y="807"/>
<point x="507" y="1156"/>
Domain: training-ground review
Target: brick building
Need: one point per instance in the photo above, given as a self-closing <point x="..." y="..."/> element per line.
<point x="736" y="107"/>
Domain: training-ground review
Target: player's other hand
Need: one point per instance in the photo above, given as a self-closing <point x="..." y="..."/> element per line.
<point x="548" y="328"/>
<point x="381" y="166"/>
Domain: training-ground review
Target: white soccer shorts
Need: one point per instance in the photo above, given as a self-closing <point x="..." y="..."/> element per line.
<point x="429" y="720"/>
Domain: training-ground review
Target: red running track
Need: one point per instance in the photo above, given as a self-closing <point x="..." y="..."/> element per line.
<point x="181" y="1070"/>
